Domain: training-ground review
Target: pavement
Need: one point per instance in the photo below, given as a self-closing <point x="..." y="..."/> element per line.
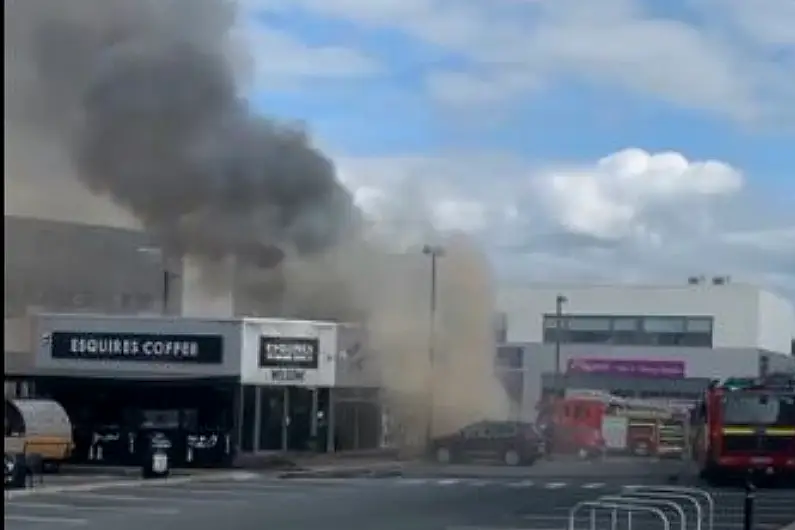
<point x="238" y="500"/>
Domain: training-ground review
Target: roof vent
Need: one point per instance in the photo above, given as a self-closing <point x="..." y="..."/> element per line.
<point x="720" y="280"/>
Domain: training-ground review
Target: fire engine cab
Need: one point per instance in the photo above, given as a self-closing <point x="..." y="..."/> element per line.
<point x="745" y="425"/>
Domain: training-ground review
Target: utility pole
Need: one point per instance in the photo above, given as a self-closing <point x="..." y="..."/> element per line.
<point x="435" y="252"/>
<point x="560" y="300"/>
<point x="166" y="286"/>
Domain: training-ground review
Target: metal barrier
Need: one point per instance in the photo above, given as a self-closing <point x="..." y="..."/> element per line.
<point x="615" y="508"/>
<point x="692" y="493"/>
<point x="672" y="497"/>
<point x="650" y="502"/>
<point x="658" y="501"/>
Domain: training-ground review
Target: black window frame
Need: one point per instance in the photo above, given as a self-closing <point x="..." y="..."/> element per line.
<point x="679" y="335"/>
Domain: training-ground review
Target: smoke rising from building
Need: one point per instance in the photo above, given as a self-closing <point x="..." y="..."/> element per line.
<point x="138" y="101"/>
<point x="143" y="96"/>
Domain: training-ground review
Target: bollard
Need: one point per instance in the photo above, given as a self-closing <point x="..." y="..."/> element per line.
<point x="748" y="505"/>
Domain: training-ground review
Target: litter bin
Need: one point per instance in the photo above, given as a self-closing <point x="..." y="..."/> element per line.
<point x="15" y="470"/>
<point x="156" y="462"/>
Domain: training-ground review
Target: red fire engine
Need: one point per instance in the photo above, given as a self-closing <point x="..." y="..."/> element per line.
<point x="591" y="423"/>
<point x="745" y="425"/>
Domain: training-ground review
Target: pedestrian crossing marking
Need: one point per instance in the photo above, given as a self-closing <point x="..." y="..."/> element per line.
<point x="594" y="485"/>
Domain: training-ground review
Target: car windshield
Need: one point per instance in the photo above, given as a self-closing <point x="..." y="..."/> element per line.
<point x="759" y="409"/>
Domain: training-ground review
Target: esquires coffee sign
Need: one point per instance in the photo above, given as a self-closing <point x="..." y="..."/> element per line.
<point x="288" y="352"/>
<point x="195" y="349"/>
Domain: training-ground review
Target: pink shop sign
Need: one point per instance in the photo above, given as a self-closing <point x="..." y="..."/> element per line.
<point x="628" y="367"/>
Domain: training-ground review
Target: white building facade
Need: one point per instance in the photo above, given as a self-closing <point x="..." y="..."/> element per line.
<point x="643" y="341"/>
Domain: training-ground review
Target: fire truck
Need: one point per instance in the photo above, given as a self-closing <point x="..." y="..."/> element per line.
<point x="745" y="425"/>
<point x="594" y="422"/>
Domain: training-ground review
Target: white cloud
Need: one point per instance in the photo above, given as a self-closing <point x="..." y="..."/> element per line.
<point x="624" y="194"/>
<point x="632" y="215"/>
<point x="515" y="47"/>
<point x="278" y="57"/>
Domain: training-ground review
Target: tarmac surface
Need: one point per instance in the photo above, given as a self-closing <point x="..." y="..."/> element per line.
<point x="423" y="498"/>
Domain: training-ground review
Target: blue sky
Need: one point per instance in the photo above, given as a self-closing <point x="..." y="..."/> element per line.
<point x="501" y="105"/>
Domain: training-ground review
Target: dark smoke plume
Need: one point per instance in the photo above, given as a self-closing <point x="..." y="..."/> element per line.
<point x="142" y="94"/>
<point x="138" y="100"/>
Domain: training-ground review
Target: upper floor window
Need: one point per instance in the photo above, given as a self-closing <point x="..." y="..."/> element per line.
<point x="629" y="330"/>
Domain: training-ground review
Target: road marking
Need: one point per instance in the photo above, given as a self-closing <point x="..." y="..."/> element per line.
<point x="545" y="517"/>
<point x="131" y="483"/>
<point x="413" y="481"/>
<point x="758" y="509"/>
<point x="53" y="506"/>
<point x="498" y="528"/>
<point x="594" y="485"/>
<point x="555" y="485"/>
<point x="44" y="520"/>
<point x="522" y="484"/>
<point x="448" y="481"/>
<point x="164" y="498"/>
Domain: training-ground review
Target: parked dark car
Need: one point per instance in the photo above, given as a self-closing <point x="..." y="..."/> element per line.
<point x="511" y="442"/>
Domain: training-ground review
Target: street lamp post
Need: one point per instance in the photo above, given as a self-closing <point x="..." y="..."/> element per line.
<point x="560" y="301"/>
<point x="434" y="252"/>
<point x="166" y="285"/>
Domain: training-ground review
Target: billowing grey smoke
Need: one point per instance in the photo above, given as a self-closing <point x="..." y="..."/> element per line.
<point x="143" y="95"/>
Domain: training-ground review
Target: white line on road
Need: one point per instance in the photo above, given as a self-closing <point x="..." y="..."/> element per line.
<point x="237" y="493"/>
<point x="77" y="507"/>
<point x="448" y="482"/>
<point x="501" y="528"/>
<point x="594" y="485"/>
<point x="555" y="485"/>
<point x="522" y="484"/>
<point x="545" y="517"/>
<point x="412" y="481"/>
<point x="43" y="520"/>
<point x="162" y="498"/>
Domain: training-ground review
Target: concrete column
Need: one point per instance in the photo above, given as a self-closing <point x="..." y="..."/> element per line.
<point x="257" y="417"/>
<point x="313" y="419"/>
<point x="241" y="403"/>
<point x="331" y="422"/>
<point x="286" y="419"/>
<point x="356" y="428"/>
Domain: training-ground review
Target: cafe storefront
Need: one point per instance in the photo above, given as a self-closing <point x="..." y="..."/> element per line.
<point x="214" y="387"/>
<point x="120" y="379"/>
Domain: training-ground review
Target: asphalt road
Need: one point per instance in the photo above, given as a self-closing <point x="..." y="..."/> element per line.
<point x="498" y="502"/>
